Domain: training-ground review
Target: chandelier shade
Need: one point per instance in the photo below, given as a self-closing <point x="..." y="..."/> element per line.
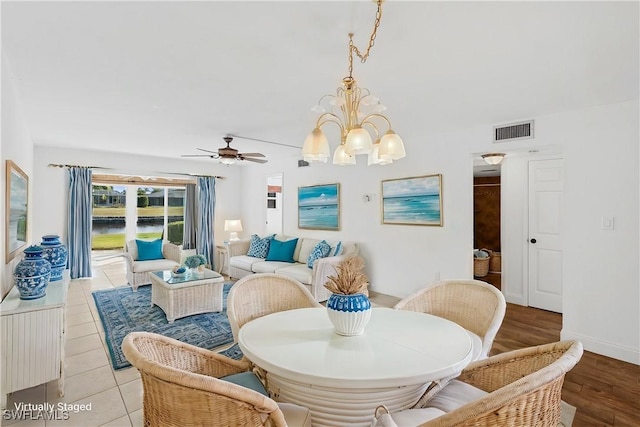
<point x="357" y="113"/>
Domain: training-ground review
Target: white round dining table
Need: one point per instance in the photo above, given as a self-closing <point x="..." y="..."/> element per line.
<point x="343" y="379"/>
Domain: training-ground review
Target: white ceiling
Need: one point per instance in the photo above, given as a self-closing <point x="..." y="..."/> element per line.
<point x="169" y="77"/>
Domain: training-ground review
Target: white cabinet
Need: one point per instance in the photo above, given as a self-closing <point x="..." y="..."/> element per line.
<point x="32" y="339"/>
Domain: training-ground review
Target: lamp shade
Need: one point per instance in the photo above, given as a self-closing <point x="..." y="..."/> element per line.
<point x="358" y="141"/>
<point x="391" y="146"/>
<point x="374" y="156"/>
<point x="493" y="158"/>
<point x="232" y="225"/>
<point x="341" y="158"/>
<point x="316" y="147"/>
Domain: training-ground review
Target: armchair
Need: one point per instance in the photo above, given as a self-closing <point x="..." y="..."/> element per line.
<point x="138" y="271"/>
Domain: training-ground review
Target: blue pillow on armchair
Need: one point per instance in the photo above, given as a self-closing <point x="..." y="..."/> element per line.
<point x="281" y="251"/>
<point x="321" y="250"/>
<point x="148" y="250"/>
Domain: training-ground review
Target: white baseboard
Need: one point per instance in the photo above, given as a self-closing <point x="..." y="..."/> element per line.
<point x="616" y="351"/>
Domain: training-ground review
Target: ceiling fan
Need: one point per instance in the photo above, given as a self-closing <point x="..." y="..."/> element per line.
<point x="228" y="155"/>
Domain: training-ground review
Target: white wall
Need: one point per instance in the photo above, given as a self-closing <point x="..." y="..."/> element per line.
<point x="601" y="275"/>
<point x="16" y="146"/>
<point x="50" y="191"/>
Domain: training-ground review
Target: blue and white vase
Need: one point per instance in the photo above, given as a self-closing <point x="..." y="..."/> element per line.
<point x="32" y="274"/>
<point x="56" y="253"/>
<point x="349" y="313"/>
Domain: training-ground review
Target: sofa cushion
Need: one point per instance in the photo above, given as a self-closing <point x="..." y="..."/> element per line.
<point x="281" y="251"/>
<point x="152" y="265"/>
<point x="321" y="250"/>
<point x="149" y="249"/>
<point x="244" y="262"/>
<point x="297" y="271"/>
<point x="306" y="248"/>
<point x="268" y="266"/>
<point x="408" y="417"/>
<point x="259" y="246"/>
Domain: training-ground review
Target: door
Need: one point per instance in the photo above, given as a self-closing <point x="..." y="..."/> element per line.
<point x="273" y="223"/>
<point x="545" y="234"/>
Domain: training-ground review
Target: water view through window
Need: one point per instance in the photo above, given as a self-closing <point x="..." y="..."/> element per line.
<point x="159" y="213"/>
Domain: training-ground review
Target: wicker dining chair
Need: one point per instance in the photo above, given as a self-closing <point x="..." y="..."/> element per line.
<point x="520" y="388"/>
<point x="182" y="387"/>
<point x="476" y="306"/>
<point x="264" y="293"/>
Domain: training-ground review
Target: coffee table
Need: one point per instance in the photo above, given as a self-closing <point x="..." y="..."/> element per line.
<point x="188" y="295"/>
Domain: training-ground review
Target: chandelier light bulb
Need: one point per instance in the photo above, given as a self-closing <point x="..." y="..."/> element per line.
<point x="358" y="141"/>
<point x="341" y="158"/>
<point x="391" y="146"/>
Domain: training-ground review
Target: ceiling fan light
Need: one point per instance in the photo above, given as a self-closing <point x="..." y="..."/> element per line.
<point x="316" y="147"/>
<point x="227" y="161"/>
<point x="391" y="146"/>
<point x="493" y="158"/>
<point x="358" y="141"/>
<point x="341" y="158"/>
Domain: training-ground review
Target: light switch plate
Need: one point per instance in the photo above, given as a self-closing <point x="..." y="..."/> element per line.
<point x="607" y="223"/>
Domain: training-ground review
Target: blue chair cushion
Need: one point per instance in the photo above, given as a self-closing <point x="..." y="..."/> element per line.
<point x="281" y="251"/>
<point x="321" y="250"/>
<point x="148" y="250"/>
<point x="248" y="380"/>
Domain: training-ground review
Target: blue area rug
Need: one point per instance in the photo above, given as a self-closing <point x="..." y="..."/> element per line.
<point x="122" y="311"/>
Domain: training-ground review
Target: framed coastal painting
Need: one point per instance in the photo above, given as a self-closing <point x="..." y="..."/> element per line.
<point x="412" y="201"/>
<point x="16" y="199"/>
<point x="319" y="207"/>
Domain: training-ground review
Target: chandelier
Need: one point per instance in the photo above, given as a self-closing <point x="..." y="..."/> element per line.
<point x="357" y="114"/>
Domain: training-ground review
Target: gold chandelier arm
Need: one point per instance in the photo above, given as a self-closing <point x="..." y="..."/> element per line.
<point x="370" y="116"/>
<point x="373" y="126"/>
<point x="330" y="118"/>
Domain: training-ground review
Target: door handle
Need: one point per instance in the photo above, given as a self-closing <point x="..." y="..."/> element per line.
<point x="533" y="241"/>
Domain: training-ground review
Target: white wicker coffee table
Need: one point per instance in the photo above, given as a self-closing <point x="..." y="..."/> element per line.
<point x="185" y="296"/>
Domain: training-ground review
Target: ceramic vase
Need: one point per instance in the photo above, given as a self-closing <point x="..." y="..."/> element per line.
<point x="56" y="253"/>
<point x="349" y="313"/>
<point x="32" y="274"/>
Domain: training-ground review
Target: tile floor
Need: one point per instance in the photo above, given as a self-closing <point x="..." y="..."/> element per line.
<point x="115" y="396"/>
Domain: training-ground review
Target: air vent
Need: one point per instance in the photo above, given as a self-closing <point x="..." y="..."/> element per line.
<point x="513" y="132"/>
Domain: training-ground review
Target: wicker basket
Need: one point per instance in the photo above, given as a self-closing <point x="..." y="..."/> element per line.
<point x="495" y="262"/>
<point x="480" y="267"/>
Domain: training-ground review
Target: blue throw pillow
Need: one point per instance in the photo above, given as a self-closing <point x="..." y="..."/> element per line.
<point x="336" y="250"/>
<point x="321" y="250"/>
<point x="248" y="380"/>
<point x="148" y="250"/>
<point x="281" y="251"/>
<point x="259" y="247"/>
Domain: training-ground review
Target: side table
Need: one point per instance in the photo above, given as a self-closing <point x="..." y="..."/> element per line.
<point x="222" y="259"/>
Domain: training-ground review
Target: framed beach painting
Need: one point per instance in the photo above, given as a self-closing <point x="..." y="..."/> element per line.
<point x="412" y="201"/>
<point x="319" y="207"/>
<point x="15" y="203"/>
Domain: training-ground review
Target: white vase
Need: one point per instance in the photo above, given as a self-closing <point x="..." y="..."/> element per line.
<point x="349" y="313"/>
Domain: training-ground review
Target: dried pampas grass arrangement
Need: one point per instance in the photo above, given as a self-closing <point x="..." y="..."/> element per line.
<point x="350" y="279"/>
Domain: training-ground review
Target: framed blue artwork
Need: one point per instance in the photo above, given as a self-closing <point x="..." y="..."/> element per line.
<point x="319" y="207"/>
<point x="412" y="201"/>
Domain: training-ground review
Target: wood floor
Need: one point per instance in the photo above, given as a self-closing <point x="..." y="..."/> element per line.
<point x="605" y="391"/>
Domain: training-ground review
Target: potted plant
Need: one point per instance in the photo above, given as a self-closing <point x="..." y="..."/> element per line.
<point x="348" y="306"/>
<point x="196" y="263"/>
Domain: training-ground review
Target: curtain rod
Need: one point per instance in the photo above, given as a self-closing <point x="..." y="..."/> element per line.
<point x="53" y="165"/>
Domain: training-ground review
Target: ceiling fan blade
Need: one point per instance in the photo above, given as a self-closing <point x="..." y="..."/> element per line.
<point x="207" y="151"/>
<point x="253" y="160"/>
<point x="211" y="156"/>
<point x="251" y="154"/>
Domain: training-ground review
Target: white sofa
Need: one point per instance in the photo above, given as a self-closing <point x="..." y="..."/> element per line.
<point x="240" y="264"/>
<point x="138" y="271"/>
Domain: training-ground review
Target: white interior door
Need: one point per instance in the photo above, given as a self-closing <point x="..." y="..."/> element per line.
<point x="273" y="223"/>
<point x="545" y="234"/>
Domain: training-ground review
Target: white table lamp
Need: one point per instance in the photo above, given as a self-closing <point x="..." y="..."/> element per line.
<point x="233" y="225"/>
